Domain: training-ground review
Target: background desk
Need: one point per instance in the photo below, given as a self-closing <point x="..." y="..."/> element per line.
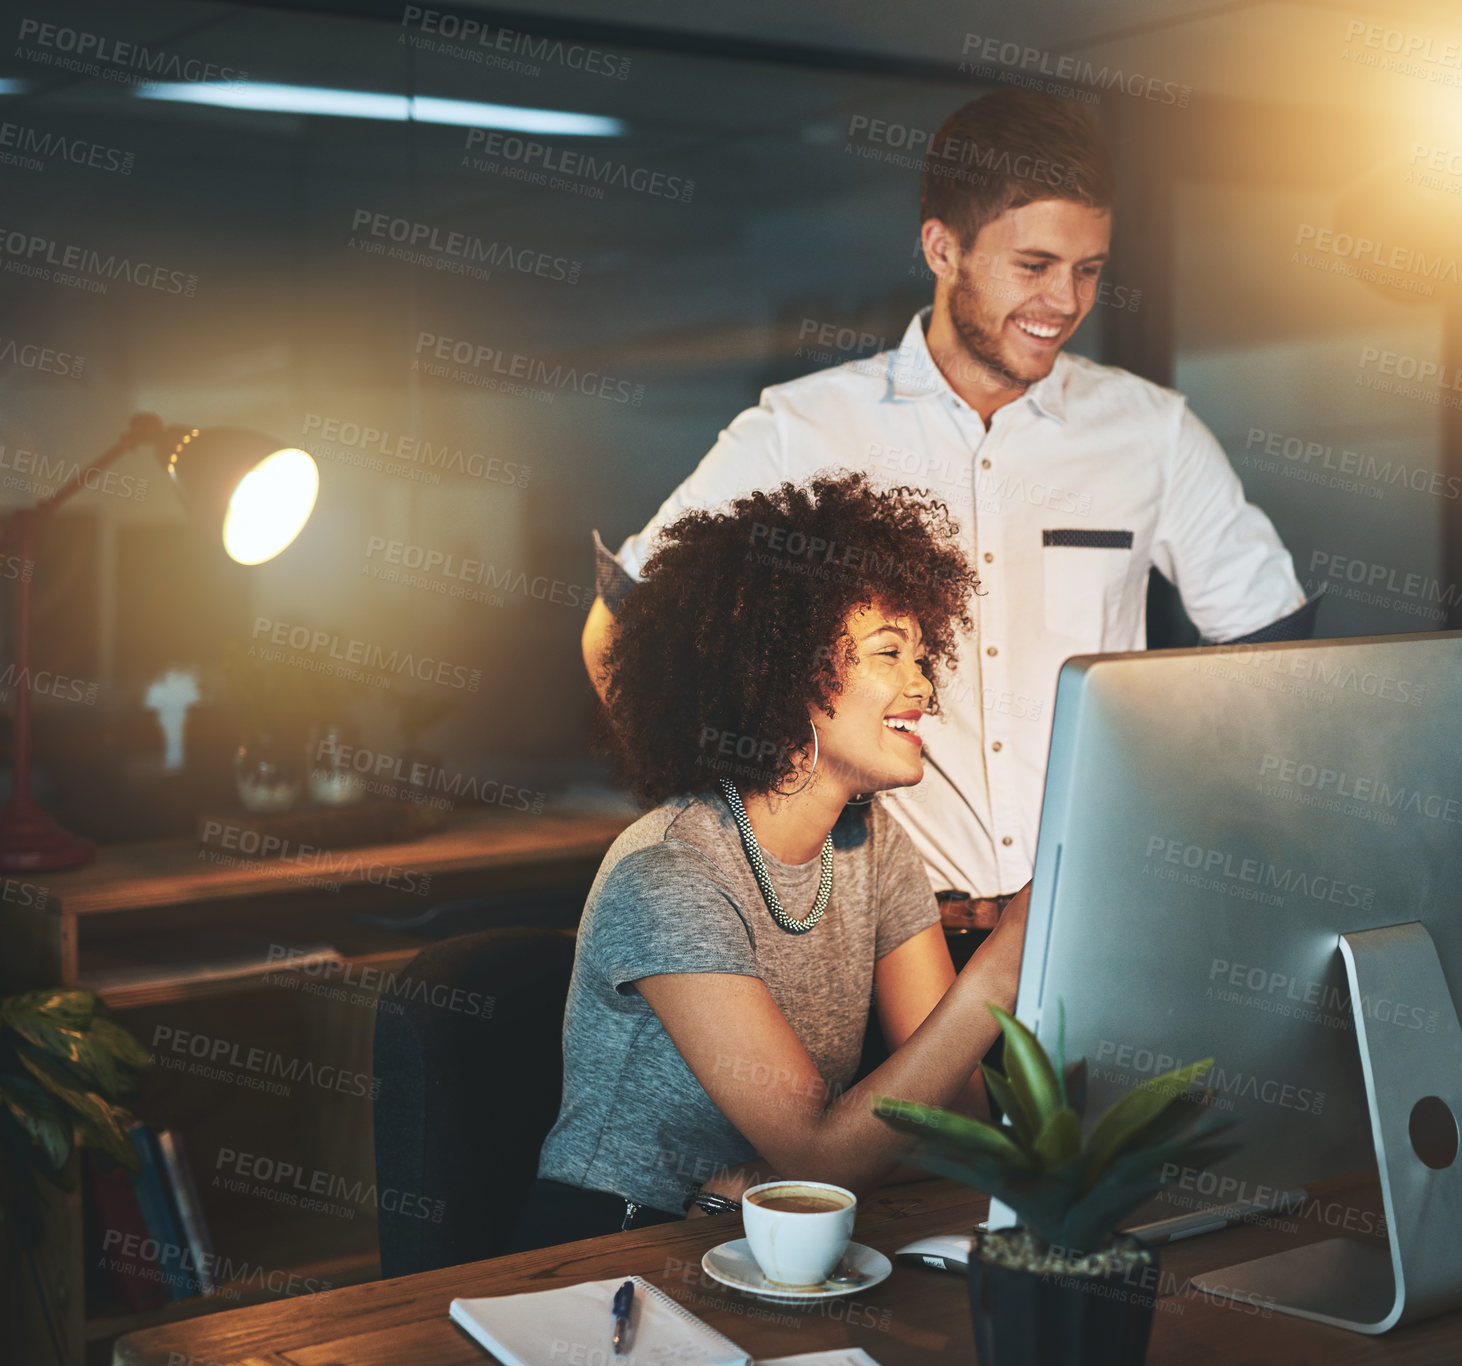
<point x="916" y="1316"/>
<point x="141" y="903"/>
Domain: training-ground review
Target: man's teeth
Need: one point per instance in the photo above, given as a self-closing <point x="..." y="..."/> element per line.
<point x="1043" y="330"/>
<point x="898" y="723"/>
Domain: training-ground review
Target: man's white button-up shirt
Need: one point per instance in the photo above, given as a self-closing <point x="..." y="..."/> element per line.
<point x="1065" y="500"/>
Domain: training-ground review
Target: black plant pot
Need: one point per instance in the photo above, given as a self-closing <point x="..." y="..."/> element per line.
<point x="1025" y="1319"/>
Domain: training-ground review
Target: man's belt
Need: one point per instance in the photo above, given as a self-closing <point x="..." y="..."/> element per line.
<point x="961" y="913"/>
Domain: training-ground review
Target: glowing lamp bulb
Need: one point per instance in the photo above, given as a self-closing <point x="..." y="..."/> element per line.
<point x="270" y="506"/>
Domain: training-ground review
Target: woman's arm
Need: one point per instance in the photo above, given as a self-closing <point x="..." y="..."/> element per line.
<point x="747" y="1056"/>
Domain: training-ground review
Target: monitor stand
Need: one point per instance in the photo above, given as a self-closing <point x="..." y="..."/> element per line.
<point x="1413" y="1072"/>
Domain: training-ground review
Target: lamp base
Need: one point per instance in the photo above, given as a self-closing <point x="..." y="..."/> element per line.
<point x="32" y="841"/>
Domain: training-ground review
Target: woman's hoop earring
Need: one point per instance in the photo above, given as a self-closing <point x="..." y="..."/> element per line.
<point x="867" y="801"/>
<point x="808" y="779"/>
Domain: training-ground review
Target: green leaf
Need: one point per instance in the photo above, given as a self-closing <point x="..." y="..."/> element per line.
<point x="1029" y="1070"/>
<point x="60" y="1009"/>
<point x="119" y="1043"/>
<point x="40" y="1116"/>
<point x="1060" y="1140"/>
<point x="1000" y="1088"/>
<point x="1061" y="1051"/>
<point x="946" y="1129"/>
<point x="1128" y="1116"/>
<point x="1075" y="1080"/>
<point x="109" y="1121"/>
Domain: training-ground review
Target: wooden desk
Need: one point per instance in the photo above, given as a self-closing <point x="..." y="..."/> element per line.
<point x="916" y="1316"/>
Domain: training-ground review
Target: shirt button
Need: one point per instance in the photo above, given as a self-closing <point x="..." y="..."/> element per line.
<point x="991" y="650"/>
<point x="985" y="464"/>
<point x="997" y="746"/>
<point x="1006" y="840"/>
<point x="989" y="558"/>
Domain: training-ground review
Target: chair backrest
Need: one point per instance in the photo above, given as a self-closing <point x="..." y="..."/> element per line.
<point x="469" y="1056"/>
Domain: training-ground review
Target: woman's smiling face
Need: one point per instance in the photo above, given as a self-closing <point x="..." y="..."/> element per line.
<point x="873" y="743"/>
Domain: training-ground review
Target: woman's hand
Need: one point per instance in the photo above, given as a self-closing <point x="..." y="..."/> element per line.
<point x="734" y="1182"/>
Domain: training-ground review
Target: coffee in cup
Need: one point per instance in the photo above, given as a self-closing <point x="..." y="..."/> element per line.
<point x="798" y="1230"/>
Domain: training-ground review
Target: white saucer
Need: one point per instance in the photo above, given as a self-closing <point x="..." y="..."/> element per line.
<point x="732" y="1264"/>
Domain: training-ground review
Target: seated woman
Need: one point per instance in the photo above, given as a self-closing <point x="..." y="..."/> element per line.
<point x="767" y="677"/>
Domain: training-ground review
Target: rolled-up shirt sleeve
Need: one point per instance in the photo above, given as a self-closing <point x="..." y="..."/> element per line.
<point x="1223" y="553"/>
<point x="747" y="456"/>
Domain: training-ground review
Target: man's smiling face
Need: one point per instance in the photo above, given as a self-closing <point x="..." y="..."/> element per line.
<point x="1026" y="282"/>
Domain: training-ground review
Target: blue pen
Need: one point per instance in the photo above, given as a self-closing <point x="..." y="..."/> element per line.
<point x="624" y="1297"/>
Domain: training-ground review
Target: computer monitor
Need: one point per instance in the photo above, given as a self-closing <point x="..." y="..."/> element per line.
<point x="1221" y="829"/>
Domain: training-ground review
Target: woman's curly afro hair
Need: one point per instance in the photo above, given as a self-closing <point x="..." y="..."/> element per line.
<point x="739" y="627"/>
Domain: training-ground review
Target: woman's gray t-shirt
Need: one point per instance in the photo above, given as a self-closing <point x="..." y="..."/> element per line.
<point x="675" y="894"/>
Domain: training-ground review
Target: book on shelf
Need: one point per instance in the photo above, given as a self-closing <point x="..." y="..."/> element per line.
<point x="116" y="1239"/>
<point x="148" y="1181"/>
<point x="183" y="1193"/>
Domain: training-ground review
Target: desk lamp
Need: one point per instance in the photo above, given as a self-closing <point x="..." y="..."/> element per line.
<point x="243" y="488"/>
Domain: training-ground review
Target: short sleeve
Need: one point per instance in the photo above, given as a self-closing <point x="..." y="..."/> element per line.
<point x="662" y="911"/>
<point x="906" y="903"/>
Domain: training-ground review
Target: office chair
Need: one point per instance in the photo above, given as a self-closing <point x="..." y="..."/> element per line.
<point x="468" y="1051"/>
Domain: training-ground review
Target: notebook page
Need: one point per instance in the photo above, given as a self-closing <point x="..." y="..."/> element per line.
<point x="573" y="1326"/>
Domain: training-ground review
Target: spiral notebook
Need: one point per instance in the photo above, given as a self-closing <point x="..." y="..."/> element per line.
<point x="574" y="1324"/>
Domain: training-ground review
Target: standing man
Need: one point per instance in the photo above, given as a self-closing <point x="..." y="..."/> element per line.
<point x="1069" y="479"/>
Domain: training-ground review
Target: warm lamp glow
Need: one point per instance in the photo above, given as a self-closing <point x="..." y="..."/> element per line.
<point x="271" y="504"/>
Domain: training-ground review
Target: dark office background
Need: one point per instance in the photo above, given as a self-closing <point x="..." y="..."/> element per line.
<point x="801" y="225"/>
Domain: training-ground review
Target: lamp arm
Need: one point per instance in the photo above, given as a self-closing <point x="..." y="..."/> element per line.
<point x="145" y="429"/>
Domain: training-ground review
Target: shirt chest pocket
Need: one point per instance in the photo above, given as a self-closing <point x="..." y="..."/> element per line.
<point x="1084" y="573"/>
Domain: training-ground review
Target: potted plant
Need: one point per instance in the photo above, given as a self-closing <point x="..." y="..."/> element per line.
<point x="1064" y="1287"/>
<point x="64" y="1065"/>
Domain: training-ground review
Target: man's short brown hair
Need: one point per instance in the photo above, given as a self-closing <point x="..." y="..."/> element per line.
<point x="1009" y="148"/>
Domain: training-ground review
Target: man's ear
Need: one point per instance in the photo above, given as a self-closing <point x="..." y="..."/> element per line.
<point x="941" y="248"/>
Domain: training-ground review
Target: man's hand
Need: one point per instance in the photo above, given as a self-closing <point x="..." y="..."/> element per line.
<point x="734" y="1182"/>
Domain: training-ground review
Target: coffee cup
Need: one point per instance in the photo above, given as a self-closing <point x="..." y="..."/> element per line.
<point x="798" y="1230"/>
